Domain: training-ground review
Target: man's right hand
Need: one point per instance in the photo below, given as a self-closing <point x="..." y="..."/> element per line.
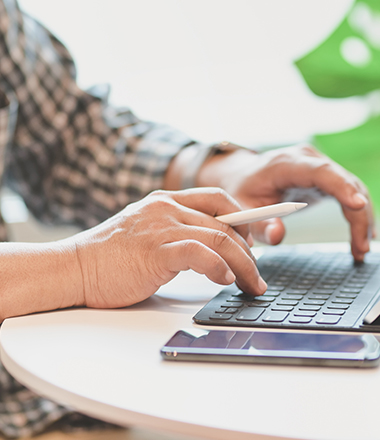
<point x="127" y="258"/>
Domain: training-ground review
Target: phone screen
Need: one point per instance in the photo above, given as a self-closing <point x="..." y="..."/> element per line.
<point x="273" y="347"/>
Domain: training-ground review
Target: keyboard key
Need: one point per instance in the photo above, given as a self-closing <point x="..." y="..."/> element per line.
<point x="242" y="299"/>
<point x="240" y="295"/>
<point x="327" y="286"/>
<point x="338" y="306"/>
<point x="328" y="319"/>
<point x="230" y="303"/>
<point x="277" y="283"/>
<point x="349" y="290"/>
<point x="221" y="316"/>
<point x="278" y="288"/>
<point x="342" y="301"/>
<point x="360" y="278"/>
<point x="282" y="308"/>
<point x="315" y="302"/>
<point x="286" y="303"/>
<point x="271" y="293"/>
<point x="319" y="297"/>
<point x="275" y="316"/>
<point x="285" y="279"/>
<point x="250" y="314"/>
<point x="301" y="286"/>
<point x="330" y="284"/>
<point x="311" y="308"/>
<point x="264" y="299"/>
<point x="231" y="310"/>
<point x="300" y="319"/>
<point x="296" y="292"/>
<point x="293" y="297"/>
<point x="347" y="295"/>
<point x="355" y="285"/>
<point x="260" y="304"/>
<point x="323" y="291"/>
<point x="305" y="313"/>
<point x="334" y="312"/>
<point x="333" y="279"/>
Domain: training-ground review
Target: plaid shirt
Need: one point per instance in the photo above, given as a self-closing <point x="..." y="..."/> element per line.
<point x="71" y="156"/>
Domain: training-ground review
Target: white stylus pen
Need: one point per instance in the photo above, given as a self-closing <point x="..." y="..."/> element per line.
<point x="258" y="214"/>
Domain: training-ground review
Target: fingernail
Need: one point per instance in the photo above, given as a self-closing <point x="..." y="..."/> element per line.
<point x="262" y="285"/>
<point x="250" y="240"/>
<point x="230" y="277"/>
<point x="360" y="198"/>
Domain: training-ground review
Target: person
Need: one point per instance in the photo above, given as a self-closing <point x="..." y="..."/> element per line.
<point x="144" y="194"/>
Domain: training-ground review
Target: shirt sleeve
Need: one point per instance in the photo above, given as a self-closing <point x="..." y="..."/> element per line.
<point x="74" y="158"/>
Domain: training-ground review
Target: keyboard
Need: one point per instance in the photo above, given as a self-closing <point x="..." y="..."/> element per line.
<point x="306" y="289"/>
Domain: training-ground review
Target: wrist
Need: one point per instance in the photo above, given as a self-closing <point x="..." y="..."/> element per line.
<point x="190" y="167"/>
<point x="71" y="271"/>
<point x="224" y="166"/>
<point x="38" y="277"/>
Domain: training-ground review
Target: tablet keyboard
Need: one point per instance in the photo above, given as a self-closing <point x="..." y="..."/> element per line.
<point x="305" y="290"/>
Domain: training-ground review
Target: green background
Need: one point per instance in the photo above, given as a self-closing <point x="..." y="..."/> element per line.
<point x="331" y="74"/>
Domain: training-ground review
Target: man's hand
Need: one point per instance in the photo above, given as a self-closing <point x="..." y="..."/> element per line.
<point x="127" y="258"/>
<point x="266" y="178"/>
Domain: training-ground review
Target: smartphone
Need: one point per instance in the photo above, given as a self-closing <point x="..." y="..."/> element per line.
<point x="267" y="347"/>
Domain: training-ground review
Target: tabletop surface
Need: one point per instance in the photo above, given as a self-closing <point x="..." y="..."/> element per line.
<point x="107" y="363"/>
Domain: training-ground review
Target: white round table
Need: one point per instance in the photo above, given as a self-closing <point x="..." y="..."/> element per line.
<point x="106" y="363"/>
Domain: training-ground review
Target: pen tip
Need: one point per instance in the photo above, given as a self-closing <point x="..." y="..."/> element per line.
<point x="299" y="206"/>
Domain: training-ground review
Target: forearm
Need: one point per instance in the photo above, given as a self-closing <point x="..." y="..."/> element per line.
<point x="38" y="277"/>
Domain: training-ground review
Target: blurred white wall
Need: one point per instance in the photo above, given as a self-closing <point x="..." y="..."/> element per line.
<point x="217" y="69"/>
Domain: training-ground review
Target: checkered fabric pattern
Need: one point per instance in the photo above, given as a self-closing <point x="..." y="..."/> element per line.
<point x="72" y="157"/>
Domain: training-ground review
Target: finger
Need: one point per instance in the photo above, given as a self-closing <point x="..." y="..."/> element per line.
<point x="211" y="201"/>
<point x="307" y="170"/>
<point x="269" y="231"/>
<point x="357" y="208"/>
<point x="334" y="180"/>
<point x="240" y="260"/>
<point x="361" y="223"/>
<point x="191" y="254"/>
<point x="199" y="219"/>
<point x="361" y="230"/>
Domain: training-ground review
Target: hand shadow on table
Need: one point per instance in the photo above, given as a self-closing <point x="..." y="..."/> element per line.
<point x="187" y="292"/>
<point x="169" y="304"/>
